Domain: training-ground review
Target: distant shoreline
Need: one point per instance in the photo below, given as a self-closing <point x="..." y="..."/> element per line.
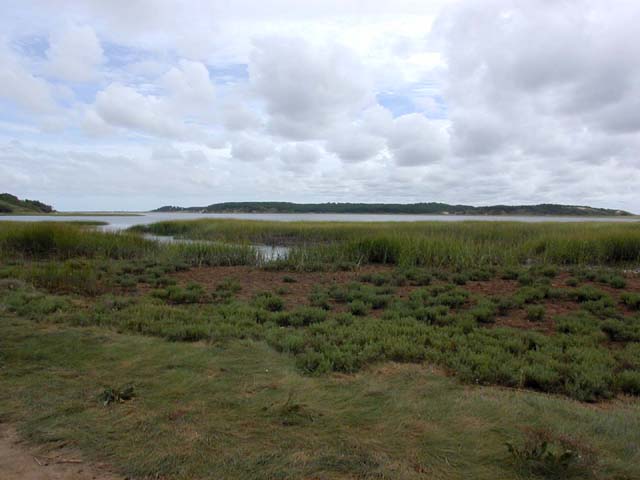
<point x="74" y="214"/>
<point x="422" y="208"/>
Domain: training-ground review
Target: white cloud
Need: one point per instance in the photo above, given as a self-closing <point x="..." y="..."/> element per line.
<point x="122" y="106"/>
<point x="75" y="54"/>
<point x="21" y="87"/>
<point x="307" y="88"/>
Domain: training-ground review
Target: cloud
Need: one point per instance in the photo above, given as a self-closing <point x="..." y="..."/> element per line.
<point x="122" y="106"/>
<point x="521" y="74"/>
<point x="21" y="87"/>
<point x="352" y="144"/>
<point x="248" y="148"/>
<point x="299" y="156"/>
<point x="190" y="87"/>
<point x="75" y="54"/>
<point x="306" y="88"/>
<point x="415" y="140"/>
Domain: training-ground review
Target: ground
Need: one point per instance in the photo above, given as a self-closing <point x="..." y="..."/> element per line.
<point x="19" y="461"/>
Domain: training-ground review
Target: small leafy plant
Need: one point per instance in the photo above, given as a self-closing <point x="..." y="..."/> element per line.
<point x="116" y="395"/>
<point x="550" y="456"/>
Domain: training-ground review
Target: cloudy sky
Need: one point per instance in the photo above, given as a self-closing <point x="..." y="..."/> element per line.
<point x="133" y="104"/>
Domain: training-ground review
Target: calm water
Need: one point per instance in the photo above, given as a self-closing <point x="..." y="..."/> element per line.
<point x="121" y="222"/>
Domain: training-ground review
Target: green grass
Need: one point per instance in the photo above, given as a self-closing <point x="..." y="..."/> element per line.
<point x="462" y="244"/>
<point x="62" y="241"/>
<point x="243" y="411"/>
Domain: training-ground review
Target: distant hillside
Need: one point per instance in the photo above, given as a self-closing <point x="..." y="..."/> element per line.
<point x="12" y="204"/>
<point x="431" y="208"/>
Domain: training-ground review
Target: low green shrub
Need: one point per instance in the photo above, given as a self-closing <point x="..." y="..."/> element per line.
<point x="192" y="293"/>
<point x="631" y="300"/>
<point x="269" y="302"/>
<point x="484" y="312"/>
<point x="358" y="307"/>
<point x="535" y="313"/>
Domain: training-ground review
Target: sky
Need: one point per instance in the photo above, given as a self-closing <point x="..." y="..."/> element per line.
<point x="131" y="105"/>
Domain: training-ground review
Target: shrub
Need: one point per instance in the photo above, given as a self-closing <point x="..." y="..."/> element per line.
<point x="616" y="281"/>
<point x="509" y="274"/>
<point x="268" y="301"/>
<point x="572" y="282"/>
<point x="484" y="312"/>
<point x="505" y="304"/>
<point x="358" y="307"/>
<point x="603" y="308"/>
<point x="535" y="313"/>
<point x="193" y="293"/>
<point x="586" y="293"/>
<point x="460" y="279"/>
<point x="628" y="381"/>
<point x="631" y="300"/>
<point x="319" y="299"/>
<point x="288" y="279"/>
<point x="481" y="275"/>
<point x="531" y="294"/>
<point x="431" y="315"/>
<point x="621" y="330"/>
<point x="576" y="323"/>
<point x="302" y="317"/>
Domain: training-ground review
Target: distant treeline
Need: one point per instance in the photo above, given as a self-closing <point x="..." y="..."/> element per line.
<point x="433" y="208"/>
<point x="12" y="204"/>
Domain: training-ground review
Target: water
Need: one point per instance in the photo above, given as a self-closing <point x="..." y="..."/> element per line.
<point x="268" y="252"/>
<point x="115" y="222"/>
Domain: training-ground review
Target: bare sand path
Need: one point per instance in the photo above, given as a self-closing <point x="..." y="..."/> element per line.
<point x="19" y="461"/>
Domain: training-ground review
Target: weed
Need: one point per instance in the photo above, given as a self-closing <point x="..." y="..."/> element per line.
<point x="116" y="395"/>
<point x="551" y="456"/>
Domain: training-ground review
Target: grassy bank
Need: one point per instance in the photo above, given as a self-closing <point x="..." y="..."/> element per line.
<point x="370" y="368"/>
<point x="449" y="244"/>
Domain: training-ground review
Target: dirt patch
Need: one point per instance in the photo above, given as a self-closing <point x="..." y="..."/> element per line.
<point x="21" y="462"/>
<point x="294" y="290"/>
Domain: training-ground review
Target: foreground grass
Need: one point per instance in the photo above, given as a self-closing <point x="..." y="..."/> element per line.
<point x="241" y="410"/>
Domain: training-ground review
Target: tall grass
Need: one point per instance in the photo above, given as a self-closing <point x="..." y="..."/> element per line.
<point x="57" y="241"/>
<point x="459" y="244"/>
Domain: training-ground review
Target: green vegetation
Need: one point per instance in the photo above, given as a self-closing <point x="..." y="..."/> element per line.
<point x="463" y="245"/>
<point x="12" y="204"/>
<point x="349" y="359"/>
<point x="432" y="208"/>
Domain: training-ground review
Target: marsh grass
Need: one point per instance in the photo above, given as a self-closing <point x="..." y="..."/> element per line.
<point x="452" y="244"/>
<point x="63" y="241"/>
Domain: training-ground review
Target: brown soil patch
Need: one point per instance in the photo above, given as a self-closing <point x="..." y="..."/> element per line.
<point x="21" y="462"/>
<point x="254" y="280"/>
<point x="295" y="294"/>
